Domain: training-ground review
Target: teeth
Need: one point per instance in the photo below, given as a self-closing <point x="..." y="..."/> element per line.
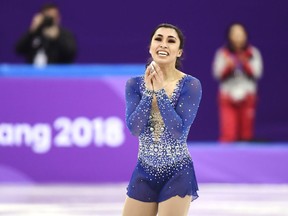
<point x="162" y="53"/>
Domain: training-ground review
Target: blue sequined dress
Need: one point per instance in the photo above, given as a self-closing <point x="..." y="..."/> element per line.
<point x="164" y="168"/>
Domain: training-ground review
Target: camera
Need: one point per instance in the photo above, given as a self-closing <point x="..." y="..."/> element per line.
<point x="48" y="21"/>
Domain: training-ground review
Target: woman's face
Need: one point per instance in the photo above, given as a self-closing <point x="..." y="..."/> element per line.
<point x="238" y="36"/>
<point x="164" y="47"/>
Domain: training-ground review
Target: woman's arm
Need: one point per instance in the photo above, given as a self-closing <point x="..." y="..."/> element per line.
<point x="223" y="65"/>
<point x="137" y="107"/>
<point x="253" y="66"/>
<point x="179" y="119"/>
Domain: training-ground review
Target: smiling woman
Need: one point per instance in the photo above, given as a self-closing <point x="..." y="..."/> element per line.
<point x="161" y="105"/>
<point x="175" y="34"/>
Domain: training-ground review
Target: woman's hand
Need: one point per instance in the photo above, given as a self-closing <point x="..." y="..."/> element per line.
<point x="230" y="62"/>
<point x="148" y="78"/>
<point x="243" y="58"/>
<point x="157" y="78"/>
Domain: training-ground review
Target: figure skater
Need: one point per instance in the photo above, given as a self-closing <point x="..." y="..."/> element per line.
<point x="160" y="108"/>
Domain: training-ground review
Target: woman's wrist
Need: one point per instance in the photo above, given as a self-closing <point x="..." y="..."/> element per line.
<point x="148" y="92"/>
<point x="159" y="92"/>
<point x="158" y="89"/>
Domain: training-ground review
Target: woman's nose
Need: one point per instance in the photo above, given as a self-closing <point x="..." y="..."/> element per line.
<point x="163" y="46"/>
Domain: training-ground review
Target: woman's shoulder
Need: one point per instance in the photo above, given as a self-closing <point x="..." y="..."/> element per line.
<point x="135" y="83"/>
<point x="191" y="79"/>
<point x="191" y="83"/>
<point x="135" y="80"/>
<point x="254" y="49"/>
<point x="223" y="50"/>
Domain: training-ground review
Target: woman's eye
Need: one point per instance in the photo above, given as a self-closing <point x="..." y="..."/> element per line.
<point x="158" y="39"/>
<point x="172" y="41"/>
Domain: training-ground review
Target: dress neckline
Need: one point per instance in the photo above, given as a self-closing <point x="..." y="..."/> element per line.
<point x="177" y="86"/>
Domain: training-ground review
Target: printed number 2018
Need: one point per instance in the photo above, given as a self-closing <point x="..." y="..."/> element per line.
<point x="82" y="132"/>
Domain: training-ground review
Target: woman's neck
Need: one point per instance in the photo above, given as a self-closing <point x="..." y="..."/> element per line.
<point x="170" y="73"/>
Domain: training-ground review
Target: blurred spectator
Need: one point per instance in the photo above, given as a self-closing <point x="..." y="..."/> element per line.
<point x="46" y="41"/>
<point x="237" y="66"/>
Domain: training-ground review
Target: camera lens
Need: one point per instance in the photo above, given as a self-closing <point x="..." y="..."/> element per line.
<point x="48" y="21"/>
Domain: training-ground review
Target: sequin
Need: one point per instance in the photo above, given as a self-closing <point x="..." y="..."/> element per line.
<point x="162" y="126"/>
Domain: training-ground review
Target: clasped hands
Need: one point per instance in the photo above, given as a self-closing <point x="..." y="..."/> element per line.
<point x="153" y="77"/>
<point x="231" y="62"/>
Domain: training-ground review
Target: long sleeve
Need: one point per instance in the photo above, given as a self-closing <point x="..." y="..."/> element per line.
<point x="65" y="45"/>
<point x="28" y="45"/>
<point x="59" y="50"/>
<point x="221" y="69"/>
<point x="138" y="106"/>
<point x="180" y="119"/>
<point x="254" y="66"/>
<point x="23" y="44"/>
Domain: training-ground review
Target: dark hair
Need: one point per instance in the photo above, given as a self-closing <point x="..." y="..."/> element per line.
<point x="229" y="42"/>
<point x="48" y="6"/>
<point x="178" y="64"/>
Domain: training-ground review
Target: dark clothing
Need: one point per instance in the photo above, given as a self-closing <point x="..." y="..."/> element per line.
<point x="59" y="50"/>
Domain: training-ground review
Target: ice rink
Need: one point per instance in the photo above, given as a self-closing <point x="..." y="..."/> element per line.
<point x="108" y="199"/>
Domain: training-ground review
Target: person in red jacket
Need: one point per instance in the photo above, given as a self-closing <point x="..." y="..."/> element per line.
<point x="237" y="65"/>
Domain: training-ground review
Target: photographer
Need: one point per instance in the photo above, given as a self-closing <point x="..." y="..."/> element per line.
<point x="46" y="41"/>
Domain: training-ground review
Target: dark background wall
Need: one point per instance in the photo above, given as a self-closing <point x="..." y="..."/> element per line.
<point x="119" y="32"/>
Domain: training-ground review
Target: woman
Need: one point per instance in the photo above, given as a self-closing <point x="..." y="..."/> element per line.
<point x="238" y="66"/>
<point x="160" y="108"/>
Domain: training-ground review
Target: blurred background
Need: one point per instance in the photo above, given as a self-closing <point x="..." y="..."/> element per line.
<point x="63" y="124"/>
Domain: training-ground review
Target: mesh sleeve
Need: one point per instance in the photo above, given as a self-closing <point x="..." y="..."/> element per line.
<point x="138" y="107"/>
<point x="180" y="119"/>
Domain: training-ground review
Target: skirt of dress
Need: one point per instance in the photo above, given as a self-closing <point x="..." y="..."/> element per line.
<point x="178" y="180"/>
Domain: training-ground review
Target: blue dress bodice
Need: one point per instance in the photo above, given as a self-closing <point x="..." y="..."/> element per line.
<point x="162" y="126"/>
